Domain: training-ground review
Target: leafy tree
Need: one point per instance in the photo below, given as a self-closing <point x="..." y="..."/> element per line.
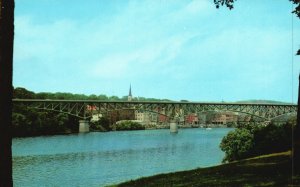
<point x="92" y="97"/>
<point x="114" y="98"/>
<point x="256" y="139"/>
<point x="23" y="93"/>
<point x="129" y="125"/>
<point x="101" y="125"/>
<point x="272" y="139"/>
<point x="229" y="4"/>
<point x="102" y="97"/>
<point x="237" y="144"/>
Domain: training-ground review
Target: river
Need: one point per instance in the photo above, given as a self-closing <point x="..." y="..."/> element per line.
<point x="99" y="159"/>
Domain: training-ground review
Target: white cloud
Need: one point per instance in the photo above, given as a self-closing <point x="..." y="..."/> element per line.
<point x="163" y="42"/>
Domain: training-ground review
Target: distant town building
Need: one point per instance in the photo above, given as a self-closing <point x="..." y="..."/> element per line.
<point x="117" y="115"/>
<point x="192" y="118"/>
<point x="91" y="108"/>
<point x="202" y="118"/>
<point x="162" y="118"/>
<point x="224" y="117"/>
<point x="145" y="117"/>
<point x="231" y="117"/>
<point x="219" y="119"/>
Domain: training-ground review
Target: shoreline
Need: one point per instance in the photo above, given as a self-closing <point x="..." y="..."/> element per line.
<point x="265" y="170"/>
<point x="70" y="133"/>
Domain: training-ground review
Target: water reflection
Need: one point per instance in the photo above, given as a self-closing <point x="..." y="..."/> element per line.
<point x="97" y="159"/>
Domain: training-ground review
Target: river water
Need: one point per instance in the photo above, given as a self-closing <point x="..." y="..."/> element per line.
<point x="99" y="159"/>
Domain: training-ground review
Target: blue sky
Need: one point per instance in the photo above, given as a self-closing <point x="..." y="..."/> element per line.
<point x="164" y="48"/>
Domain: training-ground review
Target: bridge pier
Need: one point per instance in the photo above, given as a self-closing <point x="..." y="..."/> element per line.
<point x="173" y="127"/>
<point x="84" y="126"/>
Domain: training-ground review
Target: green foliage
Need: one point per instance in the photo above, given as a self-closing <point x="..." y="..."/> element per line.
<point x="22" y="93"/>
<point x="31" y="122"/>
<point x="231" y="124"/>
<point x="273" y="138"/>
<point x="296" y="10"/>
<point x="237" y="144"/>
<point x="256" y="139"/>
<point x="228" y="3"/>
<point x="129" y="125"/>
<point x="101" y="125"/>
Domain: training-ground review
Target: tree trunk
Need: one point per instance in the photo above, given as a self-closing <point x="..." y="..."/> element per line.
<point x="296" y="140"/>
<point x="6" y="61"/>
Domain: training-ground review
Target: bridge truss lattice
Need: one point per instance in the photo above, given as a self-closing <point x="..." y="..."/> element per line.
<point x="83" y="108"/>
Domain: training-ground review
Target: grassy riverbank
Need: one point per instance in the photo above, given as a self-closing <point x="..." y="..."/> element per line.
<point x="267" y="170"/>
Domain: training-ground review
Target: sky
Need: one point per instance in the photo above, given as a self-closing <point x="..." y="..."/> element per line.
<point x="166" y="49"/>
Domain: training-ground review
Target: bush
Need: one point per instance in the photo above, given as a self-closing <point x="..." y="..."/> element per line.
<point x="256" y="139"/>
<point x="237" y="144"/>
<point x="129" y="125"/>
<point x="101" y="125"/>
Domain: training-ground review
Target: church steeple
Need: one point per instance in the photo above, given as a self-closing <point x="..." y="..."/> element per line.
<point x="129" y="95"/>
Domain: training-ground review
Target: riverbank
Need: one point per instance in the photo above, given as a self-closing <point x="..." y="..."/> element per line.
<point x="102" y="130"/>
<point x="266" y="170"/>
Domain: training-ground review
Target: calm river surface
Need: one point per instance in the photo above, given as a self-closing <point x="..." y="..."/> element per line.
<point x="99" y="159"/>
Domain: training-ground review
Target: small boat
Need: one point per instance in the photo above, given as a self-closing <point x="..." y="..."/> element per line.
<point x="208" y="128"/>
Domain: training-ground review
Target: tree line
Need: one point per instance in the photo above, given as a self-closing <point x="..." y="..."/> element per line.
<point x="32" y="122"/>
<point x="22" y="93"/>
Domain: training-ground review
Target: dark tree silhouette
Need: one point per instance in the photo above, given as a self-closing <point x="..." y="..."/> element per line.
<point x="229" y="4"/>
<point x="6" y="61"/>
<point x="297" y="8"/>
<point x="296" y="137"/>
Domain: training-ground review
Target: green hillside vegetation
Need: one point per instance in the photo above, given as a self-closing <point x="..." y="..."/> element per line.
<point x="31" y="122"/>
<point x="129" y="125"/>
<point x="22" y="93"/>
<point x="256" y="139"/>
<point x="263" y="101"/>
<point x="267" y="170"/>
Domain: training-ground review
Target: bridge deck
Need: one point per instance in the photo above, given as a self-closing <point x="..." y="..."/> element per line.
<point x="152" y="102"/>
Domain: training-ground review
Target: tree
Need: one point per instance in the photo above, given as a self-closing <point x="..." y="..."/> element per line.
<point x="237" y="144"/>
<point x="255" y="140"/>
<point x="296" y="140"/>
<point x="229" y="4"/>
<point x="23" y="93"/>
<point x="6" y="61"/>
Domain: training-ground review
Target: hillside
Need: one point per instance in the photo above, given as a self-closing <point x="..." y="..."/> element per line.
<point x="267" y="170"/>
<point x="263" y="101"/>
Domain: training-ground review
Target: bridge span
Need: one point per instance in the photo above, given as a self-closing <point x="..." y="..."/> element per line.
<point x="174" y="110"/>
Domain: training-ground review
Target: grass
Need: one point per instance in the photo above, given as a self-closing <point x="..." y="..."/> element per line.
<point x="266" y="170"/>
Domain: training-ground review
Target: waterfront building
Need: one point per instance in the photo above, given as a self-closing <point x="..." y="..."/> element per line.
<point x="145" y="117"/>
<point x="219" y="119"/>
<point x="224" y="117"/>
<point x="117" y="115"/>
<point x="192" y="118"/>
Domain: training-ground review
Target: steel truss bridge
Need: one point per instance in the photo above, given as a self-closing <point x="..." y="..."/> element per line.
<point x="85" y="108"/>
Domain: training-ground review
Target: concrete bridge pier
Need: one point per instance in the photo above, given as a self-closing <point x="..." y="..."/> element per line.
<point x="173" y="127"/>
<point x="84" y="126"/>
